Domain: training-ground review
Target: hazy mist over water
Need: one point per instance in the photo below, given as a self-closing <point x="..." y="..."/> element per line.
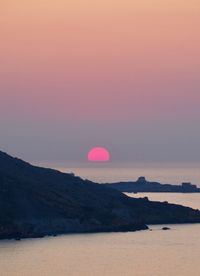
<point x="166" y="173"/>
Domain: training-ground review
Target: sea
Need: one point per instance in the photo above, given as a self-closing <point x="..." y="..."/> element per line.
<point x="144" y="253"/>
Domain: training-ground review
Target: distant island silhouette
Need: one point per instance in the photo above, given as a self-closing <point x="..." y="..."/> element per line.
<point x="35" y="202"/>
<point x="144" y="186"/>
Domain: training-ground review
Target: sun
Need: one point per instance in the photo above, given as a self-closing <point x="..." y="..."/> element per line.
<point x="98" y="154"/>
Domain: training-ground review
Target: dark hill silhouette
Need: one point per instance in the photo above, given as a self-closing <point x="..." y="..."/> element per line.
<point x="36" y="201"/>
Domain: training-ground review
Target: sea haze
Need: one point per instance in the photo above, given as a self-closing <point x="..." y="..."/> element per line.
<point x="166" y="173"/>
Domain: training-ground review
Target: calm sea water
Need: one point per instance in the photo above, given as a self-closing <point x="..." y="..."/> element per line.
<point x="145" y="253"/>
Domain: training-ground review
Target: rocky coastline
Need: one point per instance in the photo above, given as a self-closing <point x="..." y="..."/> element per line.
<point x="37" y="202"/>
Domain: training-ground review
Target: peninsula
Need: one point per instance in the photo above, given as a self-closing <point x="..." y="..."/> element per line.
<point x="36" y="201"/>
<point x="144" y="186"/>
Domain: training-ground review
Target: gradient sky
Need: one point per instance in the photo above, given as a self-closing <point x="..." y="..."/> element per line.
<point x="120" y="74"/>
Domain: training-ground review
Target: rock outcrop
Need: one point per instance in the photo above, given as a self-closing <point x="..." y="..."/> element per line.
<point x="144" y="186"/>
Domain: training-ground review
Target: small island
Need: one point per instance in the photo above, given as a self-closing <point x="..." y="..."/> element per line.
<point x="144" y="186"/>
<point x="35" y="202"/>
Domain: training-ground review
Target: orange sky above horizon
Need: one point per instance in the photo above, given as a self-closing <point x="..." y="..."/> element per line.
<point x="78" y="73"/>
<point x="119" y="53"/>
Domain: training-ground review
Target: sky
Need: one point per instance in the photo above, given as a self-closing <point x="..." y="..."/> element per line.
<point x="124" y="75"/>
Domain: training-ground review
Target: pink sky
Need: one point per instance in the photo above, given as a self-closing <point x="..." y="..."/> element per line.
<point x="99" y="61"/>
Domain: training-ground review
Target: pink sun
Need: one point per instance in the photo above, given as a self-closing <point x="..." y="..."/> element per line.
<point x="98" y="154"/>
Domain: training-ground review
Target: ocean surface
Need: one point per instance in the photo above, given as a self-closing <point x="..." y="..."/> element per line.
<point x="144" y="253"/>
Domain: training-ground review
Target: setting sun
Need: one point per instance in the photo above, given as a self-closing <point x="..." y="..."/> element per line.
<point x="98" y="154"/>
